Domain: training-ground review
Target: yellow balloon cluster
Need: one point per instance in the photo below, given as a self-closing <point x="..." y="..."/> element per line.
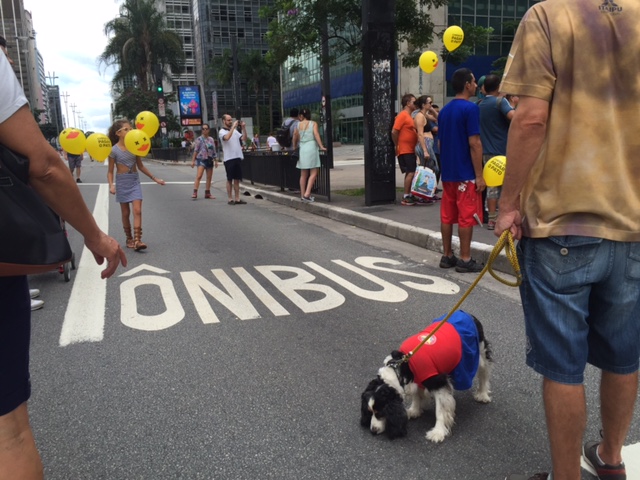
<point x="428" y="61"/>
<point x="98" y="146"/>
<point x="72" y="141"/>
<point x="493" y="171"/>
<point x="138" y="143"/>
<point x="147" y="122"/>
<point x="453" y="37"/>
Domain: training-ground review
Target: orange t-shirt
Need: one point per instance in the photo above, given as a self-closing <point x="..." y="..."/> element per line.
<point x="407" y="136"/>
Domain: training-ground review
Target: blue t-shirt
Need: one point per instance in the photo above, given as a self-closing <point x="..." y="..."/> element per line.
<point x="494" y="125"/>
<point x="458" y="120"/>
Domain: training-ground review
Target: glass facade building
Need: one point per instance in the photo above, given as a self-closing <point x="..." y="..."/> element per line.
<point x="302" y="87"/>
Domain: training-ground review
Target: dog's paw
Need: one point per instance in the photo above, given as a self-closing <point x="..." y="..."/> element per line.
<point x="437" y="435"/>
<point x="482" y="397"/>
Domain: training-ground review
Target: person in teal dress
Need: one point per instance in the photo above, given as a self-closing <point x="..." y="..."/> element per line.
<point x="308" y="138"/>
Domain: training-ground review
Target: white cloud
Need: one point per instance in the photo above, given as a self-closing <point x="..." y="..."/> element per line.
<point x="70" y="37"/>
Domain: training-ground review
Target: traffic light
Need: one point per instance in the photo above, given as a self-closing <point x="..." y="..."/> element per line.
<point x="159" y="89"/>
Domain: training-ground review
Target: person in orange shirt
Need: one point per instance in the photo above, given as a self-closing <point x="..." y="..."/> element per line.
<point x="405" y="138"/>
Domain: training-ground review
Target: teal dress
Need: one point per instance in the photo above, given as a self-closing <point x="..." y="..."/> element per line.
<point x="309" y="151"/>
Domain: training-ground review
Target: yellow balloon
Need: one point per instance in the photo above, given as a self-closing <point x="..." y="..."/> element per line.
<point x="98" y="146"/>
<point x="453" y="37"/>
<point x="72" y="141"/>
<point x="138" y="143"/>
<point x="493" y="171"/>
<point x="428" y="61"/>
<point x="147" y="122"/>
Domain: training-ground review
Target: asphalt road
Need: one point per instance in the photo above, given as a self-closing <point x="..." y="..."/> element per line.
<point x="238" y="344"/>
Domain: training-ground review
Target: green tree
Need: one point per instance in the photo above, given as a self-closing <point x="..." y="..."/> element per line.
<point x="138" y="40"/>
<point x="295" y="26"/>
<point x="474" y="38"/>
<point x="255" y="70"/>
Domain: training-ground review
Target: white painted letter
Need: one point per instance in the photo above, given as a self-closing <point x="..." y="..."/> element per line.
<point x="301" y="281"/>
<point x="129" y="314"/>
<point x="259" y="291"/>
<point x="389" y="293"/>
<point x="236" y="301"/>
<point x="437" y="285"/>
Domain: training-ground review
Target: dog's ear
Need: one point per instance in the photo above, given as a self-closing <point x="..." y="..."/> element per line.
<point x="365" y="413"/>
<point x="397" y="419"/>
<point x="397" y="355"/>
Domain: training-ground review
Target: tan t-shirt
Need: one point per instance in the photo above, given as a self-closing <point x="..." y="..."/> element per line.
<point x="582" y="57"/>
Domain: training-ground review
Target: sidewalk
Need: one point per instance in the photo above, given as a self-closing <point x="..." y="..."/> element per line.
<point x="418" y="225"/>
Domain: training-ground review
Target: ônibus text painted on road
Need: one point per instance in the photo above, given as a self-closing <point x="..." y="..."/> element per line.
<point x="231" y="290"/>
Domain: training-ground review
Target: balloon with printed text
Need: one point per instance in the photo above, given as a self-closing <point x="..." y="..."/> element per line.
<point x="453" y="37"/>
<point x="98" y="146"/>
<point x="138" y="143"/>
<point x="147" y="122"/>
<point x="72" y="141"/>
<point x="493" y="171"/>
<point x="428" y="61"/>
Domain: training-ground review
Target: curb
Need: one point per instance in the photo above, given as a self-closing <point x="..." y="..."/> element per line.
<point x="420" y="237"/>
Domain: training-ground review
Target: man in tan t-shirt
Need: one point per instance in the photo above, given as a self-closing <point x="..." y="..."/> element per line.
<point x="573" y="196"/>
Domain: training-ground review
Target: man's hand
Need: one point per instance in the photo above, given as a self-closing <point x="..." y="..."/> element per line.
<point x="480" y="184"/>
<point x="509" y="220"/>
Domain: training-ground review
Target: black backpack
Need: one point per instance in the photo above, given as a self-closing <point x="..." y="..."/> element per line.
<point x="283" y="135"/>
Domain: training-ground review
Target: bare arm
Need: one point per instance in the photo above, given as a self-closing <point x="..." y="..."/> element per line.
<point x="526" y="136"/>
<point x="316" y="135"/>
<point x="146" y="171"/>
<point x="420" y="121"/>
<point x="112" y="167"/>
<point x="394" y="136"/>
<point x="295" y="139"/>
<point x="475" y="146"/>
<point x="50" y="177"/>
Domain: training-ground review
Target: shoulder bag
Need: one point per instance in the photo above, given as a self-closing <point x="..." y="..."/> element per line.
<point x="32" y="239"/>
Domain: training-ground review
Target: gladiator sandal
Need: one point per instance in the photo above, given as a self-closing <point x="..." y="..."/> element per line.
<point x="138" y="244"/>
<point x="127" y="232"/>
<point x="207" y="194"/>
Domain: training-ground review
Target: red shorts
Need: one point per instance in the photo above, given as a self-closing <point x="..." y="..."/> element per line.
<point x="459" y="206"/>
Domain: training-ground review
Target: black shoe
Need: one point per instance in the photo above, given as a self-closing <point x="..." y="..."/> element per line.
<point x="537" y="476"/>
<point x="78" y="181"/>
<point x="599" y="469"/>
<point x="468" y="267"/>
<point x="448" y="262"/>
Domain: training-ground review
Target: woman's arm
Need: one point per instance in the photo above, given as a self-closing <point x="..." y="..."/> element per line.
<point x="316" y="134"/>
<point x="112" y="167"/>
<point x="420" y="121"/>
<point x="295" y="139"/>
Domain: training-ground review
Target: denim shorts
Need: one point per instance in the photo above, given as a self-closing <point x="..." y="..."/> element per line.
<point x="581" y="304"/>
<point x="204" y="162"/>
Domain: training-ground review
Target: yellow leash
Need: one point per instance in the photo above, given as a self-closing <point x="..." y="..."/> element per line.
<point x="505" y="241"/>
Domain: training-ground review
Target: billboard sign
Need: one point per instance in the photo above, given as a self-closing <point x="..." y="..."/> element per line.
<point x="190" y="106"/>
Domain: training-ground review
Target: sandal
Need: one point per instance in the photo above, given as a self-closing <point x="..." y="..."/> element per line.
<point x="207" y="194"/>
<point x="240" y="202"/>
<point x="195" y="194"/>
<point x="231" y="202"/>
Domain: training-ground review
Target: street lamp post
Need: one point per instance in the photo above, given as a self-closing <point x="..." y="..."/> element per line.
<point x="65" y="95"/>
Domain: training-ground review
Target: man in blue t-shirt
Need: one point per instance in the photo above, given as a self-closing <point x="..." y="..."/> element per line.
<point x="495" y="115"/>
<point x="462" y="182"/>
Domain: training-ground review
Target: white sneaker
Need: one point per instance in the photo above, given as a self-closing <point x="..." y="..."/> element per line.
<point x="34" y="292"/>
<point x="36" y="304"/>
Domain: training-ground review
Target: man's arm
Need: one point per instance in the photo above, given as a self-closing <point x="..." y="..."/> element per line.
<point x="394" y="137"/>
<point x="526" y="136"/>
<point x="475" y="147"/>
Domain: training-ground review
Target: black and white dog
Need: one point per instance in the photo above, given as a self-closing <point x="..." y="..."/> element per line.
<point x="456" y="354"/>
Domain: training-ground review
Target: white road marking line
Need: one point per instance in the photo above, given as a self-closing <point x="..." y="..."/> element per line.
<point x="85" y="316"/>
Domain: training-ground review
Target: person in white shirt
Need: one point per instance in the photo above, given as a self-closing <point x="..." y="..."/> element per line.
<point x="232" y="140"/>
<point x="272" y="143"/>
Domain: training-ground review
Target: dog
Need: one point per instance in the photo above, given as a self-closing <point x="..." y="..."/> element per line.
<point x="456" y="354"/>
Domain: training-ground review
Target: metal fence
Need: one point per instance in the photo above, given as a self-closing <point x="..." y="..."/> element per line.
<point x="278" y="169"/>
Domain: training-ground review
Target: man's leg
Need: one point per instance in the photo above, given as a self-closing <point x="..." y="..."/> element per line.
<point x="236" y="189"/>
<point x="447" y="234"/>
<point x="229" y="190"/>
<point x="565" y="410"/>
<point x="19" y="457"/>
<point x="408" y="180"/>
<point x="466" y="235"/>
<point x="78" y="173"/>
<point x="617" y="399"/>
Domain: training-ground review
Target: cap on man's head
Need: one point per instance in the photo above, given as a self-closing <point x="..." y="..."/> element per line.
<point x="3" y="42"/>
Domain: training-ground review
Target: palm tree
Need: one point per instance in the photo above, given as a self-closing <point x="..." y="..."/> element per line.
<point x="138" y="40"/>
<point x="259" y="74"/>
